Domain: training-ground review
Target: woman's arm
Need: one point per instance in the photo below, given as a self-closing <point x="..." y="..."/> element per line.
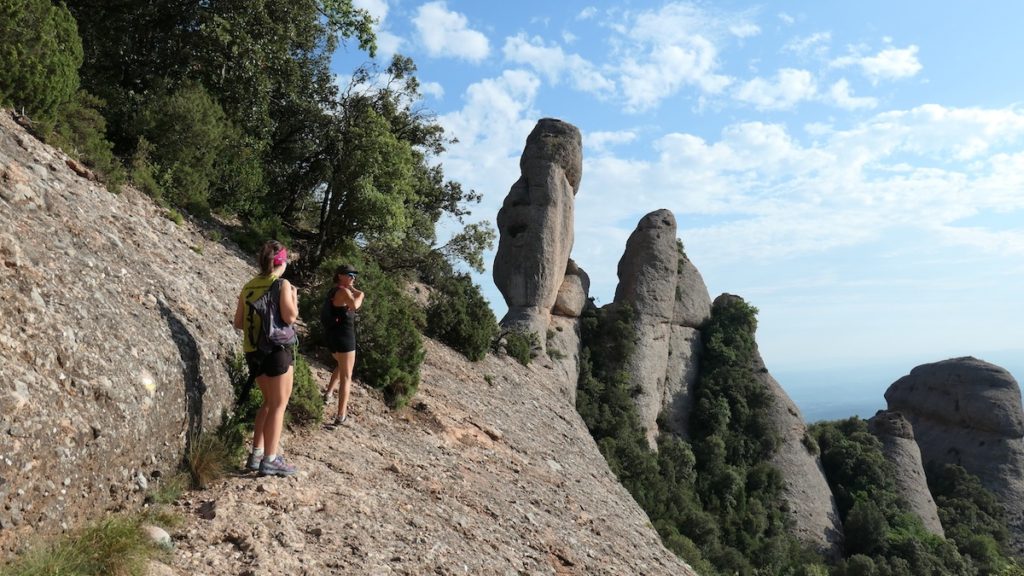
<point x="289" y="302"/>
<point x="357" y="298"/>
<point x="348" y="297"/>
<point x="239" y="321"/>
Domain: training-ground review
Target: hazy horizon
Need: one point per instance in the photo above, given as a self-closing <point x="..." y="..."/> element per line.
<point x="840" y="392"/>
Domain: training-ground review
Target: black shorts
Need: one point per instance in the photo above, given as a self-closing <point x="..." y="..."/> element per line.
<point x="269" y="364"/>
<point x="341" y="340"/>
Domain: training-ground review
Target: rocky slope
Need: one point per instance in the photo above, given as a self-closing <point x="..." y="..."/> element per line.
<point x="115" y="334"/>
<point x="483" y="474"/>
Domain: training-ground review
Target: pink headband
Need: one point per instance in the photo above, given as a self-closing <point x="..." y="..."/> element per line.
<point x="281" y="257"/>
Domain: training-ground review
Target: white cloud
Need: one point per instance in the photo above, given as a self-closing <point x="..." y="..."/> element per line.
<point x="889" y="64"/>
<point x="662" y="51"/>
<point x="897" y="171"/>
<point x="388" y="44"/>
<point x="892" y="63"/>
<point x="568" y="37"/>
<point x="432" y="89"/>
<point x="786" y="18"/>
<point x="377" y="8"/>
<point x="842" y="96"/>
<point x="745" y="30"/>
<point x="491" y="129"/>
<point x="600" y="141"/>
<point x="815" y="44"/>
<point x="789" y="88"/>
<point x="447" y="33"/>
<point x="554" y="64"/>
<point x="587" y="13"/>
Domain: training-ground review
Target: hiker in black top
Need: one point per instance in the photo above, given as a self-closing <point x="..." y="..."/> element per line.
<point x="273" y="370"/>
<point x="345" y="299"/>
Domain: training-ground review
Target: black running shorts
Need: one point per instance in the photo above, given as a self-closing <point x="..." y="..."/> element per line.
<point x="269" y="364"/>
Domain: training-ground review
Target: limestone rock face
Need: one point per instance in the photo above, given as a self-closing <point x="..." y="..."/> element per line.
<point x="691" y="311"/>
<point x="684" y="349"/>
<point x="693" y="303"/>
<point x="647" y="283"/>
<point x="669" y="302"/>
<point x="805" y="491"/>
<point x="115" y="337"/>
<point x="900" y="448"/>
<point x="535" y="225"/>
<point x="966" y="411"/>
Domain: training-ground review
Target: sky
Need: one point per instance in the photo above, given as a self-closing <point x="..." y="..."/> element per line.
<point x="854" y="170"/>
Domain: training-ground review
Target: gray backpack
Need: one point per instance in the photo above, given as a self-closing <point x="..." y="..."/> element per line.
<point x="266" y="329"/>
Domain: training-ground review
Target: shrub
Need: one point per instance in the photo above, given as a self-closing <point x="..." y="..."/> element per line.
<point x="388" y="337"/>
<point x="175" y="216"/>
<point x="459" y="315"/>
<point x="81" y="131"/>
<point x="39" y="56"/>
<point x="116" y="545"/>
<point x="256" y="232"/>
<point x="208" y="457"/>
<point x="143" y="173"/>
<point x="520" y="345"/>
<point x="306" y="405"/>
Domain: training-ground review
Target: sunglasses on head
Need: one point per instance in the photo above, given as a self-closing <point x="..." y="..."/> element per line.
<point x="350" y="274"/>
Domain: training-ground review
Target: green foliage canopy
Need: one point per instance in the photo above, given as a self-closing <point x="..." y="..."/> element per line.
<point x="39" y="56"/>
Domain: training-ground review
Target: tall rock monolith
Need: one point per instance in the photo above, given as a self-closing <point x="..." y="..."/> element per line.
<point x="669" y="303"/>
<point x="543" y="289"/>
<point x="967" y="412"/>
<point x="898" y="444"/>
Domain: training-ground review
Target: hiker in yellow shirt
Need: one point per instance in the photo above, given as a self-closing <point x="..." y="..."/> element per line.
<point x="270" y="364"/>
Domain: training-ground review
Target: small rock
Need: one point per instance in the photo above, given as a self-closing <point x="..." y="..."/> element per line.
<point x="208" y="510"/>
<point x="158" y="535"/>
<point x="80" y="169"/>
<point x="141" y="482"/>
<point x="267" y="489"/>
<point x="493" y="433"/>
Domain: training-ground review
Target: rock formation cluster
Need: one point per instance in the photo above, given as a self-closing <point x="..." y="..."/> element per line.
<point x="669" y="304"/>
<point x="116" y="338"/>
<point x="968" y="412"/>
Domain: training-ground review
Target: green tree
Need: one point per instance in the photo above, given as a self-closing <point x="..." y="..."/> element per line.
<point x="39" y="56"/>
<point x="197" y="153"/>
<point x="459" y="315"/>
<point x="80" y="130"/>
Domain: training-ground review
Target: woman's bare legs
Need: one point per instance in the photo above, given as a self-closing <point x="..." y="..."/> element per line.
<point x="270" y="419"/>
<point x="257" y="429"/>
<point x="335" y="379"/>
<point x="343" y="373"/>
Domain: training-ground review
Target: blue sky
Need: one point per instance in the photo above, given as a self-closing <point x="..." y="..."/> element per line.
<point x="854" y="170"/>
